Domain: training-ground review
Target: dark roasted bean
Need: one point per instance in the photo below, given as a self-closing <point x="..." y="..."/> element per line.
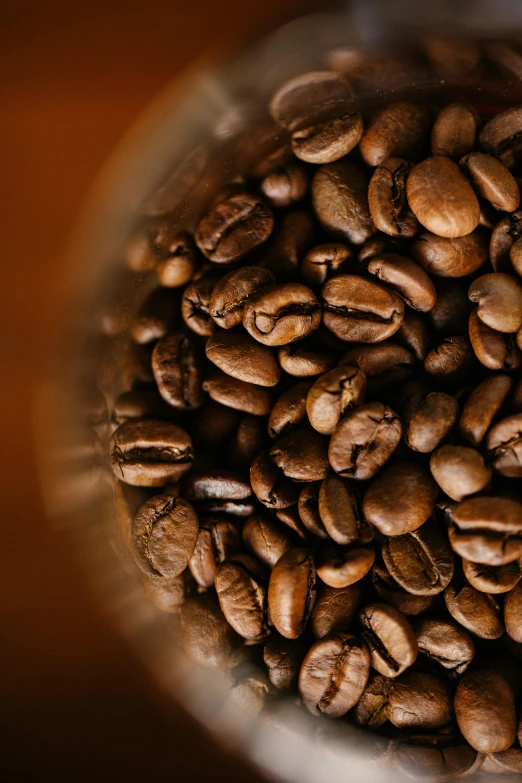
<point x="491" y="579"/>
<point x="289" y="410"/>
<point x="485" y="710"/>
<point x="454" y="131"/>
<point x="487" y="530"/>
<point x="156" y="316"/>
<point x="241" y="396"/>
<point x="390" y="639"/>
<point x="308" y="507"/>
<point x="481" y="407"/>
<point x="232" y="292"/>
<point x="504" y="445"/>
<point x="420" y="700"/>
<point x="285" y="185"/>
<point x="492" y="180"/>
<point x="501" y="136"/>
<point x="334" y="609"/>
<point x="400" y="499"/>
<point x="282" y="314"/>
<point x="421" y="561"/>
<point x="384" y="364"/>
<point x="176" y="371"/>
<point x="283" y="659"/>
<point x="513" y="613"/>
<point x="458" y="257"/>
<point x="477" y="612"/>
<point x="387" y="199"/>
<point x="195" y="304"/>
<point x="302" y="361"/>
<point x="205" y="634"/>
<point x="340" y="200"/>
<point x="407" y="278"/>
<point x="499" y="299"/>
<point x="451" y="360"/>
<point x="494" y="350"/>
<point x="292" y="592"/>
<point x="459" y="471"/>
<point x="266" y="539"/>
<point x="233" y="227"/>
<point x="150" y="453"/>
<point x="242" y="596"/>
<point x="346" y="569"/>
<point x="325" y="261"/>
<point x="243" y="358"/>
<point x="447" y="644"/>
<point x="397" y="130"/>
<point x="270" y="485"/>
<point x="432" y="421"/>
<point x="302" y="454"/>
<point x="333" y="395"/>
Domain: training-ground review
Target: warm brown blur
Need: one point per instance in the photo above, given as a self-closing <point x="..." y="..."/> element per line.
<point x="76" y="705"/>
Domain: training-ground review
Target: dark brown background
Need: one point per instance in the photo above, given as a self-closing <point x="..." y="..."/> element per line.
<point x="75" y="704"/>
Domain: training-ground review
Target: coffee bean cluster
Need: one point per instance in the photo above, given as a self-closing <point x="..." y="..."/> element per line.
<point x="321" y="434"/>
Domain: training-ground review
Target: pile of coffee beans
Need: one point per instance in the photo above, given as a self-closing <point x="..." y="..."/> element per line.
<point x="322" y="423"/>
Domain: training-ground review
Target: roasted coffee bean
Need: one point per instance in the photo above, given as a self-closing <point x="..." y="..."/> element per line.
<point x="252" y="692"/>
<point x="301" y="454"/>
<point x="206" y="636"/>
<point x="248" y="440"/>
<point x="169" y="594"/>
<point x="487" y="530"/>
<point x="494" y="350"/>
<point x="515" y="256"/>
<point x="346" y="569"/>
<point x="303" y="361"/>
<point x="454" y="131"/>
<point x="334" y="674"/>
<point x="422" y="561"/>
<point x="292" y="239"/>
<point x="387" y="199"/>
<point x="216" y="485"/>
<point x="500" y="136"/>
<point x="359" y="310"/>
<point x="308" y="507"/>
<point x="310" y="98"/>
<point x="215" y="423"/>
<point x="324" y="261"/>
<point x="397" y="130"/>
<point x="395" y="595"/>
<point x="233" y="227"/>
<point x="447" y="644"/>
<point x="440" y="756"/>
<point x="283" y="659"/>
<point x="285" y="185"/>
<point x="390" y="639"/>
<point x="492" y="180"/>
<point x="150" y="453"/>
<point x="432" y="422"/>
<point x="431" y="188"/>
<point x="218" y="538"/>
<point x="292" y="592"/>
<point x="176" y="255"/>
<point x="242" y="596"/>
<point x="384" y="364"/>
<point x="481" y="407"/>
<point x="232" y="292"/>
<point x="289" y="410"/>
<point x="266" y="539"/>
<point x="504" y="445"/>
<point x="334" y="609"/>
<point x="458" y="257"/>
<point x="243" y="358"/>
<point x="504" y="239"/>
<point x="282" y="314"/>
<point x="407" y="278"/>
<point x="270" y="485"/>
<point x="400" y="499"/>
<point x="176" y="371"/>
<point x="509" y="760"/>
<point x="485" y="710"/>
<point x="241" y="396"/>
<point x="513" y="613"/>
<point x="339" y="511"/>
<point x="156" y="316"/>
<point x="333" y="395"/>
<point x="364" y="440"/>
<point x="340" y="201"/>
<point x="378" y="244"/>
<point x="326" y="142"/>
<point x="140" y="404"/>
<point x="195" y="304"/>
<point x="460" y="471"/>
<point x="291" y="519"/>
<point x="491" y="579"/>
<point x="164" y="535"/>
<point x="372" y="707"/>
<point x="499" y="298"/>
<point x="413" y="335"/>
<point x="452" y="308"/>
<point x="478" y="612"/>
<point x="420" y="700"/>
<point x="451" y="360"/>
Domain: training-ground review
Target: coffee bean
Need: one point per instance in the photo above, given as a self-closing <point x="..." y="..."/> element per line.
<point x="347" y="569"/>
<point x="494" y="350"/>
<point x="215" y="423"/>
<point x="499" y="298"/>
<point x="439" y="756"/>
<point x="340" y="201"/>
<point x="384" y="364"/>
<point x="156" y="316"/>
<point x="164" y="535"/>
<point x="481" y="407"/>
<point x="513" y="613"/>
<point x="413" y="335"/>
<point x="310" y="98"/>
<point x="390" y="639"/>
<point x="248" y="440"/>
<point x="150" y="453"/>
<point x="140" y="253"/>
<point x="252" y="693"/>
<point x="241" y="357"/>
<point x="289" y="410"/>
<point x="364" y="440"/>
<point x="233" y="227"/>
<point x="339" y="511"/>
<point x="400" y="499"/>
<point x="238" y="394"/>
<point x="459" y="471"/>
<point x="451" y="360"/>
<point x="324" y="261"/>
<point x="291" y="519"/>
<point x="478" y="612"/>
<point x="397" y="130"/>
<point x="446" y="644"/>
<point x="283" y="659"/>
<point x="407" y="278"/>
<point x="195" y="304"/>
<point x="216" y="485"/>
<point x="359" y="310"/>
<point x="169" y="594"/>
<point x="454" y="131"/>
<point x="387" y="199"/>
<point x="176" y="255"/>
<point x="290" y="241"/>
<point x="282" y="314"/>
<point x="487" y="530"/>
<point x="491" y="579"/>
<point x="285" y="185"/>
<point x="420" y="700"/>
<point x="140" y="404"/>
<point x="270" y="485"/>
<point x="206" y="636"/>
<point x="422" y="561"/>
<point x="302" y="455"/>
<point x="217" y="539"/>
<point x="326" y="142"/>
<point x="308" y="507"/>
<point x="504" y="239"/>
<point x="432" y="421"/>
<point x="500" y="136"/>
<point x="434" y="184"/>
<point x="266" y="539"/>
<point x="176" y="371"/>
<point x="334" y="674"/>
<point x="372" y="707"/>
<point x="302" y="360"/>
<point x="515" y="256"/>
<point x="242" y="596"/>
<point x="232" y="292"/>
<point x="292" y="592"/>
<point x="492" y="180"/>
<point x="457" y="257"/>
<point x="504" y="445"/>
<point x="485" y="710"/>
<point x="507" y="760"/>
<point x="333" y="395"/>
<point x="334" y="609"/>
<point x="392" y="593"/>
